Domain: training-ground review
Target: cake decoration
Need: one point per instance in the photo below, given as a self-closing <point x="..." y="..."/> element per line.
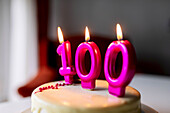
<point x="52" y="86"/>
<point x="64" y="49"/>
<point x="118" y="82"/>
<point x="88" y="78"/>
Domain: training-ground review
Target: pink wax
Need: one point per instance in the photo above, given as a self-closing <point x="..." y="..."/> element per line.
<point x="117" y="85"/>
<point x="88" y="79"/>
<point x="67" y="70"/>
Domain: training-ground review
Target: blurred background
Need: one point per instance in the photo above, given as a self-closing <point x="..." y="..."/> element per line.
<point x="28" y="36"/>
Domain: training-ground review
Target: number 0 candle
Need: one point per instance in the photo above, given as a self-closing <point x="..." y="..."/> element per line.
<point x="64" y="49"/>
<point x="88" y="79"/>
<point x="118" y="84"/>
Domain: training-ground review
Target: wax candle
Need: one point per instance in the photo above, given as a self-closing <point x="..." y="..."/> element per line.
<point x="64" y="49"/>
<point x="88" y="78"/>
<point x="118" y="84"/>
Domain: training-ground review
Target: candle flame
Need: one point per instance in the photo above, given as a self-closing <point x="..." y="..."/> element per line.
<point x="119" y="32"/>
<point x="87" y="34"/>
<point x="60" y="35"/>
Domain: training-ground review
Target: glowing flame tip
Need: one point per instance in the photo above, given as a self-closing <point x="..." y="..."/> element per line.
<point x="119" y="32"/>
<point x="60" y="35"/>
<point x="87" y="34"/>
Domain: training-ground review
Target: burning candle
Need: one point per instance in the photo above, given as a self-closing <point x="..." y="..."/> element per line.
<point x="117" y="84"/>
<point x="88" y="79"/>
<point x="64" y="49"/>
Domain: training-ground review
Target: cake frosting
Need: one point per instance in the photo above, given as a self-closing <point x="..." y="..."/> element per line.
<point x="58" y="97"/>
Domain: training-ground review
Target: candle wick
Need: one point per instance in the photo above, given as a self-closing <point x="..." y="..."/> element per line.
<point x="119" y="39"/>
<point x="87" y="40"/>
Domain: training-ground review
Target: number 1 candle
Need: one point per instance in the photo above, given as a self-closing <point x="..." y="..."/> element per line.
<point x="118" y="84"/>
<point x="88" y="79"/>
<point x="64" y="49"/>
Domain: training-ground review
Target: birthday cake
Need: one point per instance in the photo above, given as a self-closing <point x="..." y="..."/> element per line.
<point x="71" y="97"/>
<point x="59" y="97"/>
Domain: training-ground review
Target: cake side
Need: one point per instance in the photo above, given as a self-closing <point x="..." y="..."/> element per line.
<point x="74" y="99"/>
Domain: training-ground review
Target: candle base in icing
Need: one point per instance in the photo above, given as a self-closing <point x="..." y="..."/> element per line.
<point x="117" y="91"/>
<point x="88" y="84"/>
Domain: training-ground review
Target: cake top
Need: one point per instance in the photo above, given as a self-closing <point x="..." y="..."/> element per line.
<point x="77" y="97"/>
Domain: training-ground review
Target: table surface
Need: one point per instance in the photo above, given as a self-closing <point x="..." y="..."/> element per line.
<point x="154" y="91"/>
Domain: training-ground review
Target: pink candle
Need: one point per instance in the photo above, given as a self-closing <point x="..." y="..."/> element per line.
<point x="64" y="49"/>
<point x="117" y="85"/>
<point x="88" y="78"/>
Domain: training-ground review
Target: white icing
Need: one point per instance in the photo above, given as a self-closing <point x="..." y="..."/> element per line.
<point x="74" y="99"/>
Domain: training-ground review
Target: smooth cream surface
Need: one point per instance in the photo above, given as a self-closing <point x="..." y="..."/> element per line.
<point x="74" y="99"/>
